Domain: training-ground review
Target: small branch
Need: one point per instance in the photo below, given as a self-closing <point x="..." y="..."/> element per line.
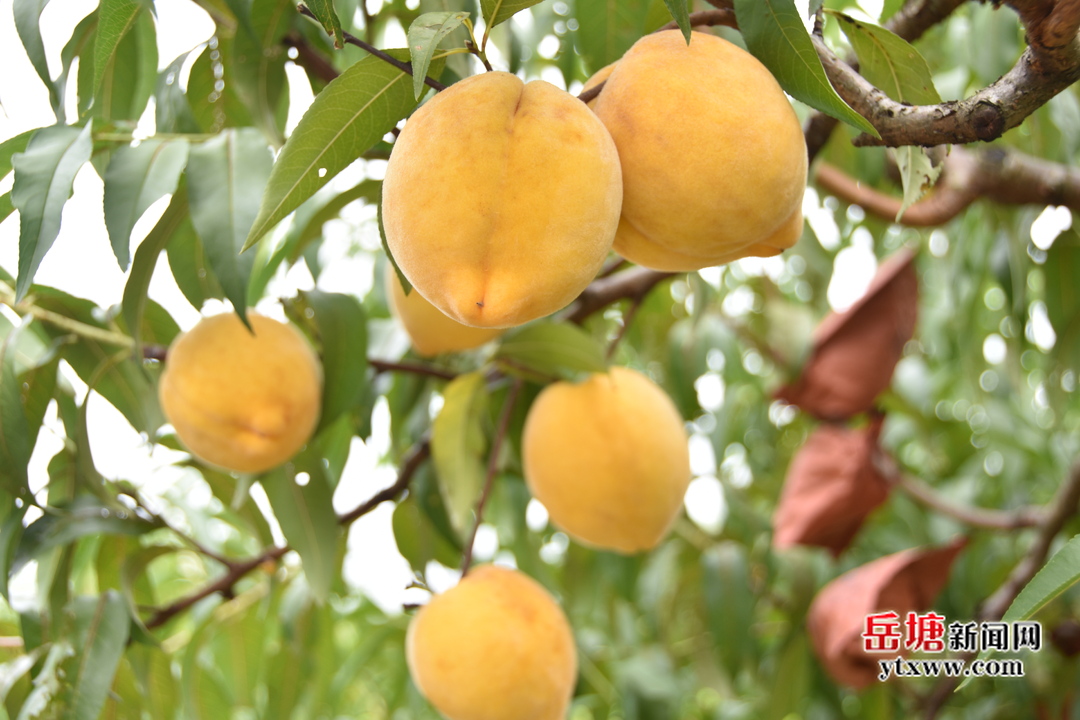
<point x="409" y="466"/>
<point x="492" y="468"/>
<point x="627" y="318"/>
<point x="90" y="332"/>
<point x="310" y="59"/>
<point x="591" y="94"/>
<point x="976" y="517"/>
<point x="633" y="283"/>
<point x="944" y="203"/>
<point x="381" y="366"/>
<point x="353" y="40"/>
<point x="711" y="18"/>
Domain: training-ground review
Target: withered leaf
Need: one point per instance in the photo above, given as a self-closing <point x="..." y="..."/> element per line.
<point x="902" y="582"/>
<point x="832" y="485"/>
<point x="856" y="351"/>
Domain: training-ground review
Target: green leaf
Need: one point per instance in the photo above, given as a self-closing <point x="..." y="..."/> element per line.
<point x="307" y="518"/>
<point x="551" y="349"/>
<point x="44" y="174"/>
<point x="9" y="147"/>
<point x="172" y="111"/>
<point x="499" y="11"/>
<point x="27" y="23"/>
<point x="6" y="208"/>
<point x="129" y="79"/>
<point x="135" y="179"/>
<point x="679" y="12"/>
<point x="226" y="177"/>
<point x="323" y="10"/>
<point x="258" y="63"/>
<point x="458" y="444"/>
<point x="775" y="34"/>
<point x="425" y="34"/>
<point x="729" y="604"/>
<point x="406" y="286"/>
<point x="608" y="29"/>
<point x="917" y="174"/>
<point x="1061" y="269"/>
<point x="349" y="116"/>
<point x="115" y="19"/>
<point x="146" y="257"/>
<point x="341" y="325"/>
<point x="190" y="268"/>
<point x="101" y="633"/>
<point x="86" y="516"/>
<point x="11" y="530"/>
<point x="15" y="444"/>
<point x="417" y="539"/>
<point x="889" y="62"/>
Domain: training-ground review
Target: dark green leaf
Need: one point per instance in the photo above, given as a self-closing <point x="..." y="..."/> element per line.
<point x="44" y="174"/>
<point x="172" y="111"/>
<point x="190" y="268"/>
<point x="307" y="518"/>
<point x="458" y="444"/>
<point x="258" y="62"/>
<point x="729" y="604"/>
<point x="15" y="443"/>
<point x="226" y="177"/>
<point x="129" y="79"/>
<point x="349" y="116"/>
<point x="136" y="178"/>
<point x="342" y="332"/>
<point x="1062" y="268"/>
<point x="85" y="517"/>
<point x="417" y="540"/>
<point x="608" y="29"/>
<point x="775" y="34"/>
<point x="146" y="257"/>
<point x="499" y="11"/>
<point x="323" y="10"/>
<point x="27" y="23"/>
<point x="115" y="20"/>
<point x="211" y="90"/>
<point x="425" y="34"/>
<point x="890" y="62"/>
<point x="551" y="349"/>
<point x="678" y="10"/>
<point x="11" y="529"/>
<point x="101" y="633"/>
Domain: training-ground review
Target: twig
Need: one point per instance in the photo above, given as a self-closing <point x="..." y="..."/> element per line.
<point x="636" y="282"/>
<point x="381" y="366"/>
<point x="976" y="517"/>
<point x="90" y="332"/>
<point x="309" y="59"/>
<point x="589" y="95"/>
<point x="627" y="318"/>
<point x="409" y="466"/>
<point x="353" y="40"/>
<point x="493" y="466"/>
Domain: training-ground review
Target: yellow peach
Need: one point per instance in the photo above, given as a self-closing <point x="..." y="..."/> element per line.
<point x="431" y="332"/>
<point x="494" y="647"/>
<point x="501" y="199"/>
<point x="713" y="157"/>
<point x="242" y="401"/>
<point x="608" y="458"/>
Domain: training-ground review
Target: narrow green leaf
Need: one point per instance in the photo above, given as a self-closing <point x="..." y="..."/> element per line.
<point x="417" y="540"/>
<point x="1059" y="574"/>
<point x="11" y="530"/>
<point x="775" y="34"/>
<point x="608" y="29"/>
<point x="323" y="10"/>
<point x="136" y="178"/>
<point x="15" y="444"/>
<point x="226" y="177"/>
<point x="44" y="174"/>
<point x="457" y="446"/>
<point x="307" y="518"/>
<point x="115" y="19"/>
<point x="101" y="633"/>
<point x="190" y="268"/>
<point x="10" y="147"/>
<point x="679" y="12"/>
<point x="86" y="516"/>
<point x="889" y="62"/>
<point x="425" y="34"/>
<point x="499" y="11"/>
<point x="146" y="257"/>
<point x="406" y="286"/>
<point x="341" y="325"/>
<point x="172" y="111"/>
<point x="81" y="46"/>
<point x="27" y="23"/>
<point x="917" y="174"/>
<point x="258" y="63"/>
<point x="548" y="349"/>
<point x="729" y="605"/>
<point x="349" y="116"/>
<point x="6" y="208"/>
<point x="129" y="79"/>
<point x="1061" y="268"/>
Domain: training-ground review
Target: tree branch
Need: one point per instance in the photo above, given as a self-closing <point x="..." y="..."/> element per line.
<point x="409" y="466"/>
<point x="976" y="517"/>
<point x="381" y="366"/>
<point x="308" y="58"/>
<point x="1005" y="177"/>
<point x="492" y="468"/>
<point x="630" y="284"/>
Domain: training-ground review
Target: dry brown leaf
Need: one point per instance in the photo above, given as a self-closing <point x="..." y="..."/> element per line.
<point x="832" y="485"/>
<point x="856" y="351"/>
<point x="902" y="582"/>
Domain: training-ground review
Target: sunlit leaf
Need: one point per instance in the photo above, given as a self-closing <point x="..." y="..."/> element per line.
<point x="425" y="34"/>
<point x="551" y="349"/>
<point x="323" y="10"/>
<point x="115" y="19"/>
<point x="130" y="77"/>
<point x="458" y="444"/>
<point x="499" y="11"/>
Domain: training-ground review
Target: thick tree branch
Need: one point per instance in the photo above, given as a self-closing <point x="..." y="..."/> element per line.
<point x="630" y="284"/>
<point x="976" y="517"/>
<point x="1005" y="177"/>
<point x="381" y="366"/>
